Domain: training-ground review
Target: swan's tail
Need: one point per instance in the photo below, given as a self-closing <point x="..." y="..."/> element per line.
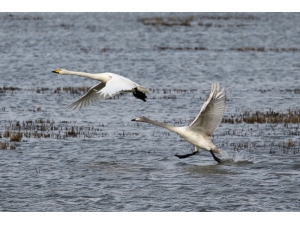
<point x="143" y="89"/>
<point x="216" y="150"/>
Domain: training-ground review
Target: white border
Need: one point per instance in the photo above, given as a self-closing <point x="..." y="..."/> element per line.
<point x="149" y="6"/>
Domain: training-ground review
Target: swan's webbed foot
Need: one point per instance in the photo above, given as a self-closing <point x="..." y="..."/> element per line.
<point x="215" y="157"/>
<point x="186" y="155"/>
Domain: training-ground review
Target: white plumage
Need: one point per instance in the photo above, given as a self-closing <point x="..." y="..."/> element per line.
<point x="110" y="85"/>
<point x="200" y="131"/>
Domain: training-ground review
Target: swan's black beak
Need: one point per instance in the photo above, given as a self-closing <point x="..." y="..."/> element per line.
<point x="133" y="120"/>
<point x="54" y="71"/>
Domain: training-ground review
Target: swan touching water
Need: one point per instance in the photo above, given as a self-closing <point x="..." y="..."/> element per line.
<point x="199" y="132"/>
<point x="110" y="85"/>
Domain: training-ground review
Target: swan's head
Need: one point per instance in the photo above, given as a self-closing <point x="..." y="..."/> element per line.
<point x="61" y="71"/>
<point x="140" y="119"/>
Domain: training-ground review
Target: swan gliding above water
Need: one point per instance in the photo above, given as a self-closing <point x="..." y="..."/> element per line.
<point x="199" y="132"/>
<point x="110" y="85"/>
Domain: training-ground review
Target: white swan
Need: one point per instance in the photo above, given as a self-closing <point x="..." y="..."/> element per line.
<point x="110" y="85"/>
<point x="200" y="131"/>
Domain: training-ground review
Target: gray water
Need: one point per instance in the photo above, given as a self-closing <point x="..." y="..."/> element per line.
<point x="114" y="164"/>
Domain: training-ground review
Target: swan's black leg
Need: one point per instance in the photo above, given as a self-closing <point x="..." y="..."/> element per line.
<point x="215" y="157"/>
<point x="186" y="155"/>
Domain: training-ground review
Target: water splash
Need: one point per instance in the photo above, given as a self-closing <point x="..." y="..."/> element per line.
<point x="236" y="157"/>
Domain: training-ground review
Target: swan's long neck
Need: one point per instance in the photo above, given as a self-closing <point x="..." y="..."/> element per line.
<point x="96" y="76"/>
<point x="167" y="126"/>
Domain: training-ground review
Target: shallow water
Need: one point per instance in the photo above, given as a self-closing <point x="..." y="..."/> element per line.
<point x="109" y="163"/>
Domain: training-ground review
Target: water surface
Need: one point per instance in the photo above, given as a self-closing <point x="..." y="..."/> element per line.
<point x="107" y="162"/>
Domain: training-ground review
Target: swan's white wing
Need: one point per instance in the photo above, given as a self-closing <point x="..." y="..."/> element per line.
<point x="116" y="85"/>
<point x="211" y="112"/>
<point x="104" y="90"/>
<point x="119" y="82"/>
<point x="90" y="97"/>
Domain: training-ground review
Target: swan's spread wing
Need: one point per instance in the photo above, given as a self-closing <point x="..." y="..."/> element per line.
<point x="90" y="97"/>
<point x="104" y="90"/>
<point x="211" y="112"/>
<point x="116" y="85"/>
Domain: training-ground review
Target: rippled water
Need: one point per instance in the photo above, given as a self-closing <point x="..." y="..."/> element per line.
<point x="113" y="164"/>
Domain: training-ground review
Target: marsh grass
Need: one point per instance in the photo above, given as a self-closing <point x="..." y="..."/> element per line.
<point x="22" y="17"/>
<point x="234" y="139"/>
<point x="187" y="21"/>
<point x="264" y="49"/>
<point x="274" y="125"/>
<point x="228" y="17"/>
<point x="290" y="116"/>
<point x="289" y="146"/>
<point x="5" y="145"/>
<point x="16" y="136"/>
<point x="164" y="48"/>
<point x="4" y="89"/>
<point x="167" y="21"/>
<point x="238" y="49"/>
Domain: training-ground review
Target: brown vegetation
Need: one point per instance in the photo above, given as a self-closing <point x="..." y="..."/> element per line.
<point x="264" y="49"/>
<point x="241" y="49"/>
<point x="5" y="145"/>
<point x="291" y="116"/>
<point x="170" y="21"/>
<point x="164" y="48"/>
<point x="16" y="136"/>
<point x="167" y="21"/>
<point x="21" y="16"/>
